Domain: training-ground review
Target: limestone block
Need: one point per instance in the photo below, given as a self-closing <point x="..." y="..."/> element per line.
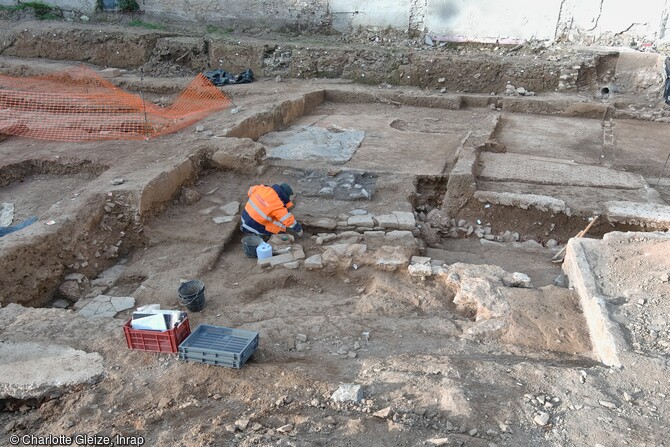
<point x="461" y="185"/>
<point x="281" y="240"/>
<point x="402" y="237"/>
<point x="327" y="237"/>
<point x="391" y="258"/>
<point x="104" y="306"/>
<point x="523" y="201"/>
<point x="108" y="277"/>
<point x="420" y="266"/>
<point x="122" y="302"/>
<point x="34" y="370"/>
<point x="338" y="249"/>
<point x="223" y="219"/>
<point x="321" y="223"/>
<point x="651" y="215"/>
<point x="460" y="271"/>
<point x="329" y="258"/>
<point x="81" y="303"/>
<point x="374" y="234"/>
<point x="298" y="252"/>
<point x="98" y="310"/>
<point x="76" y="277"/>
<point x="351" y="240"/>
<point x="482" y="296"/>
<point x="313" y="262"/>
<point x="348" y="393"/>
<point x="517" y="279"/>
<point x="406" y="220"/>
<point x="388" y="221"/>
<point x="206" y="211"/>
<point x="232" y="208"/>
<point x="60" y="304"/>
<point x="420" y="270"/>
<point x="238" y="154"/>
<point x="355" y="249"/>
<point x="276" y="260"/>
<point x="361" y="221"/>
<point x="70" y="290"/>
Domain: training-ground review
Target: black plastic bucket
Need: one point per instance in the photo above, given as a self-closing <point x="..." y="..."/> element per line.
<point x="192" y="295"/>
<point x="250" y="243"/>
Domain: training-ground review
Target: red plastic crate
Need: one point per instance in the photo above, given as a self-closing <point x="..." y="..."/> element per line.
<point x="155" y="341"/>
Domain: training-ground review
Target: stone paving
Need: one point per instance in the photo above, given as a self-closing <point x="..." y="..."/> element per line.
<point x="104" y="306"/>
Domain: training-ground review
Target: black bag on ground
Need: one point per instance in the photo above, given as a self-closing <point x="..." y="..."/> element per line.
<point x="221" y="77"/>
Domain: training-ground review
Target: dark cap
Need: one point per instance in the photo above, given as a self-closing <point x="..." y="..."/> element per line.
<point x="287" y="189"/>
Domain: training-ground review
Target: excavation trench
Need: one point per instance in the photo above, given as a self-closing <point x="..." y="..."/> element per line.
<point x="365" y="180"/>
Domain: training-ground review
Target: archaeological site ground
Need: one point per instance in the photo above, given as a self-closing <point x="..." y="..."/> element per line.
<point x="444" y="284"/>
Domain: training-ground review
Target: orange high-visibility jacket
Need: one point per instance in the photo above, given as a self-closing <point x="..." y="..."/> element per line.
<point x="266" y="208"/>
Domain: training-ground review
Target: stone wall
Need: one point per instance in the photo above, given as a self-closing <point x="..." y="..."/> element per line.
<point x="262" y="14"/>
<point x="348" y="15"/>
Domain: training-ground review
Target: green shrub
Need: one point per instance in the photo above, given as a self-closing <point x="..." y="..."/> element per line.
<point x="213" y="29"/>
<point x="42" y="10"/>
<point x="141" y="24"/>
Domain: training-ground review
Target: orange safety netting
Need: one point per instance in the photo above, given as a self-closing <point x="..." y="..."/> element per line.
<point x="80" y="105"/>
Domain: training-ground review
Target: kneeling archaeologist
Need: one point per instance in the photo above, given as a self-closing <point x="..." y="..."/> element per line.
<point x="267" y="211"/>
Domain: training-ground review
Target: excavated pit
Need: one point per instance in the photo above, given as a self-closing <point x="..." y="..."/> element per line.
<point x="430" y="190"/>
<point x="367" y="184"/>
<point x="19" y="171"/>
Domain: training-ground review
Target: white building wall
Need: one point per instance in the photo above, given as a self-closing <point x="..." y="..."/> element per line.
<point x="492" y="19"/>
<point x="478" y="20"/>
<point x="600" y="19"/>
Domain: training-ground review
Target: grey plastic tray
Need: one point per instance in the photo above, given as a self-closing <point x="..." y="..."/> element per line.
<point x="221" y="346"/>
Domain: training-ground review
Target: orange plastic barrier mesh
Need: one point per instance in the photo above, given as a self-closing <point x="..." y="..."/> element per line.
<point x="80" y="105"/>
